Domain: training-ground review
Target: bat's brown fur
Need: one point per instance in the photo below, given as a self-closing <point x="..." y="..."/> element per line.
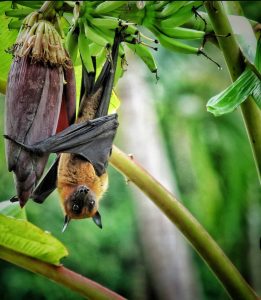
<point x="73" y="172"/>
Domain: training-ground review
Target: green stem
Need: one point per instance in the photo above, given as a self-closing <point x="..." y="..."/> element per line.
<point x="187" y="224"/>
<point x="235" y="63"/>
<point x="82" y="285"/>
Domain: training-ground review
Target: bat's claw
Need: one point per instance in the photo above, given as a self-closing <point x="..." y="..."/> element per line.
<point x="14" y="199"/>
<point x="6" y="136"/>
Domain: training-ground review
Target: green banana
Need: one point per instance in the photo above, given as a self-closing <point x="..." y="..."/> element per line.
<point x="121" y="51"/>
<point x="72" y="43"/>
<point x="84" y="48"/>
<point x="95" y="49"/>
<point x="95" y="37"/>
<point x="112" y="23"/>
<point x="15" y="24"/>
<point x="171" y="8"/>
<point x="176" y="46"/>
<point x="144" y="53"/>
<point x="107" y="23"/>
<point x="131" y="29"/>
<point x="182" y="33"/>
<point x="87" y="8"/>
<point x="107" y="34"/>
<point x="19" y="12"/>
<point x="181" y="16"/>
<point x="101" y="58"/>
<point x="108" y="6"/>
<point x="32" y="4"/>
<point x="121" y="65"/>
<point x="158" y="5"/>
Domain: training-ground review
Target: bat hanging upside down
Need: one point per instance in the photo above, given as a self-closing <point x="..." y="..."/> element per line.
<point x="83" y="149"/>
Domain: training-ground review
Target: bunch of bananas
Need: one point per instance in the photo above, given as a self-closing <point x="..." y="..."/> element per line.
<point x="92" y="34"/>
<point x="93" y="26"/>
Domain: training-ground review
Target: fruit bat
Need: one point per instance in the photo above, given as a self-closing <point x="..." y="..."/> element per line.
<point x="83" y="149"/>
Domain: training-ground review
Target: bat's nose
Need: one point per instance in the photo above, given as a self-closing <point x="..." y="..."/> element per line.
<point x="83" y="190"/>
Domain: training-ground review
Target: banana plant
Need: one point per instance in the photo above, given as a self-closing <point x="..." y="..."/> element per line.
<point x="87" y="28"/>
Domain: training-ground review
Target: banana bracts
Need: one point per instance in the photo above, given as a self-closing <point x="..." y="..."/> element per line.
<point x="35" y="92"/>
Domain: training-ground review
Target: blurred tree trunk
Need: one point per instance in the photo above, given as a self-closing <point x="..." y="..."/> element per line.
<point x="167" y="256"/>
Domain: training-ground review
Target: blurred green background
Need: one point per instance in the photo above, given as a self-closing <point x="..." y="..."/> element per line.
<point x="216" y="177"/>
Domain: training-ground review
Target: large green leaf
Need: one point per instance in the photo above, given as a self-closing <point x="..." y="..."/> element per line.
<point x="247" y="84"/>
<point x="24" y="237"/>
<point x="12" y="210"/>
<point x="7" y="39"/>
<point x="226" y="101"/>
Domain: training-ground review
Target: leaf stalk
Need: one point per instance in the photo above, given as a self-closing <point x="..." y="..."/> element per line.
<point x="76" y="282"/>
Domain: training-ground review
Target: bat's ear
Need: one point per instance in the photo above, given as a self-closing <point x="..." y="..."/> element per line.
<point x="66" y="222"/>
<point x="97" y="219"/>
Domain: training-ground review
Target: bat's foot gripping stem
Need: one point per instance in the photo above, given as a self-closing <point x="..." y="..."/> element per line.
<point x="14" y="199"/>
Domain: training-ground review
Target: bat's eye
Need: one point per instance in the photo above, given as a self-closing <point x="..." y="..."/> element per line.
<point x="76" y="208"/>
<point x="91" y="204"/>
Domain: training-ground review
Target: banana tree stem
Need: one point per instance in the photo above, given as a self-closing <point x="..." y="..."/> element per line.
<point x="207" y="248"/>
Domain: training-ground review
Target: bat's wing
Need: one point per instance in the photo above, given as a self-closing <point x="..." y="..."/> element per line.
<point x="107" y="75"/>
<point x="104" y="82"/>
<point x="47" y="185"/>
<point x="92" y="140"/>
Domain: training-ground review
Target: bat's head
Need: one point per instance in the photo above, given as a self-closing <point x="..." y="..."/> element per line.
<point x="81" y="204"/>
